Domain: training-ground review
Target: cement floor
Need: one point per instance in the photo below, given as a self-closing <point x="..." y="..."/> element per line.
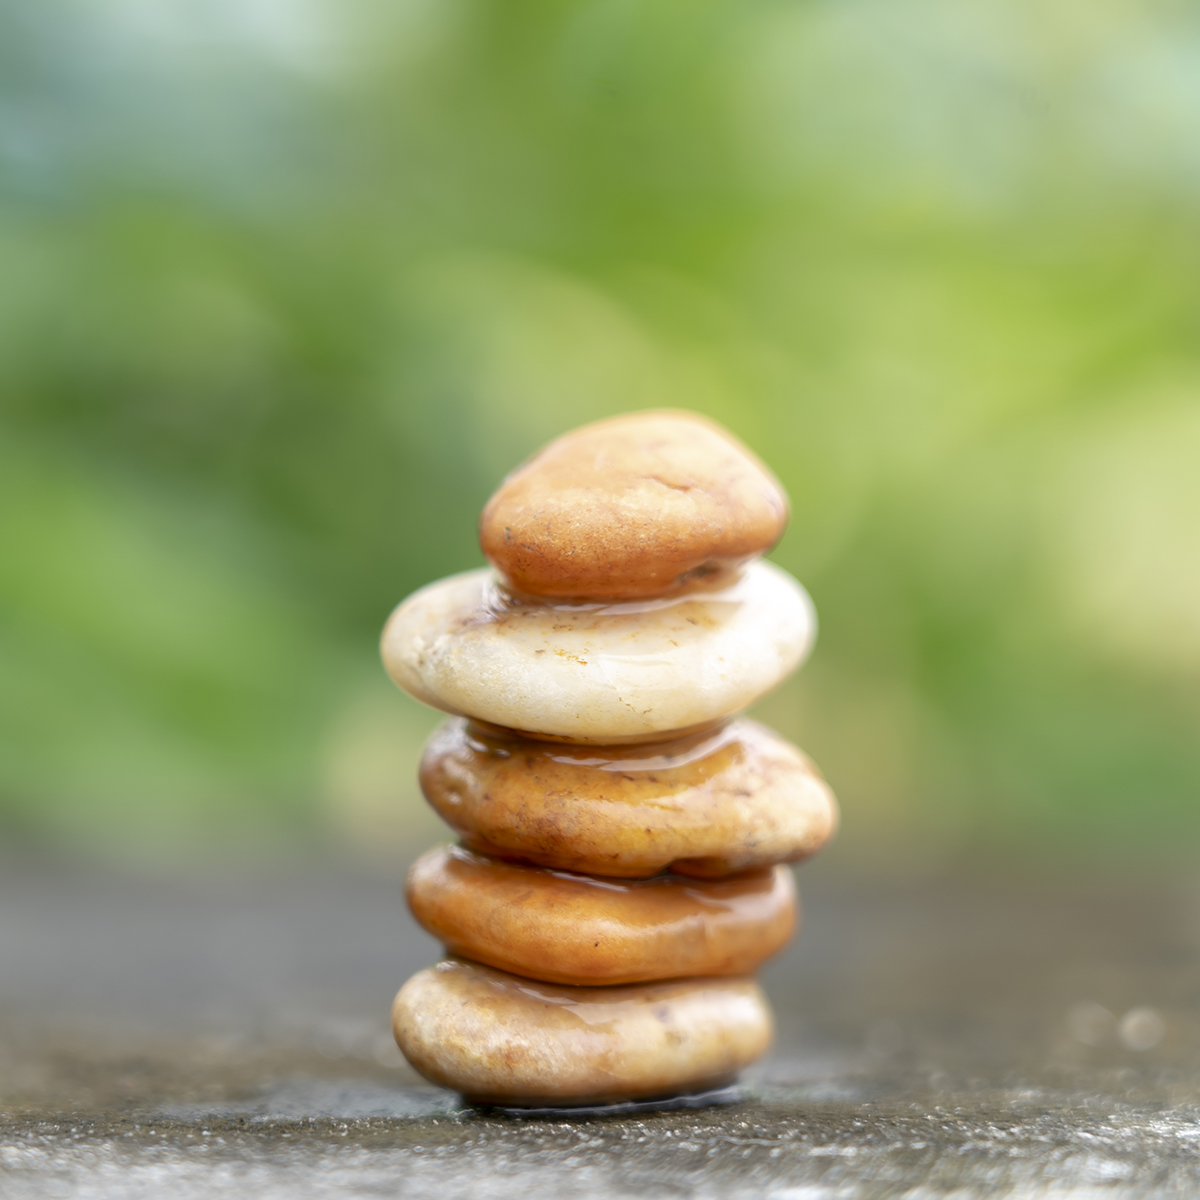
<point x="227" y="1036"/>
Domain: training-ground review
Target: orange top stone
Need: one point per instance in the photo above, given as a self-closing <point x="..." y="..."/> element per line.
<point x="638" y="505"/>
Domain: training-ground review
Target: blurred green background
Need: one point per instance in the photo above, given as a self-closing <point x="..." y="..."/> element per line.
<point x="286" y="286"/>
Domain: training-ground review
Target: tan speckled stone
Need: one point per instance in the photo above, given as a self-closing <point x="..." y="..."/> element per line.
<point x="707" y="805"/>
<point x="576" y="929"/>
<point x="500" y="1039"/>
<point x="632" y="506"/>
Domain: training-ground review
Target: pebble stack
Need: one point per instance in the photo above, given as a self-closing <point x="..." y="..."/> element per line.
<point x="622" y="833"/>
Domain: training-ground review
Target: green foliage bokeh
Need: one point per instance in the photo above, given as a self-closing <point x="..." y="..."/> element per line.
<point x="286" y="286"/>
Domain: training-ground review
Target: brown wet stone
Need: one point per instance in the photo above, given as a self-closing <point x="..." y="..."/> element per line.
<point x="707" y="805"/>
<point x="634" y="506"/>
<point x="500" y="1039"/>
<point x="574" y="929"/>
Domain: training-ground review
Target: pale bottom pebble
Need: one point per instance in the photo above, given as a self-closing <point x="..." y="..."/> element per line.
<point x="500" y="1039"/>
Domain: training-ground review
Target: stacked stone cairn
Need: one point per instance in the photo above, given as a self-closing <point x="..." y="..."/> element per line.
<point x="619" y="875"/>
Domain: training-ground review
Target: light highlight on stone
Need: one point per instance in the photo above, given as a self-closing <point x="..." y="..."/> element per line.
<point x="598" y="673"/>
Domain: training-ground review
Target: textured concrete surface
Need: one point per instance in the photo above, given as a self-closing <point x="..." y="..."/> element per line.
<point x="227" y="1036"/>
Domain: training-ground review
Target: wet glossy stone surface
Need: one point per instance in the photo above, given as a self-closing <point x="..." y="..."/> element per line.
<point x="228" y="1036"/>
<point x="707" y="805"/>
<point x="632" y="506"/>
<point x="500" y="1039"/>
<point x="612" y="672"/>
<point x="576" y="929"/>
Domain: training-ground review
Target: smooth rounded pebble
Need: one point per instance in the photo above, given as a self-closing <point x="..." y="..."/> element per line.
<point x="598" y="672"/>
<point x="705" y="805"/>
<point x="565" y="928"/>
<point x="632" y="506"/>
<point x="500" y="1039"/>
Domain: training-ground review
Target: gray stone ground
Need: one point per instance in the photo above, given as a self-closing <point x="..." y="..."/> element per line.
<point x="227" y="1036"/>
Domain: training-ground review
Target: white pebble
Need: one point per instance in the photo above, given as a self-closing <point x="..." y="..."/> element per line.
<point x="599" y="672"/>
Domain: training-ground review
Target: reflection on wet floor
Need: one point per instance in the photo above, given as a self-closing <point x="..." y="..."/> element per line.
<point x="231" y="1034"/>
